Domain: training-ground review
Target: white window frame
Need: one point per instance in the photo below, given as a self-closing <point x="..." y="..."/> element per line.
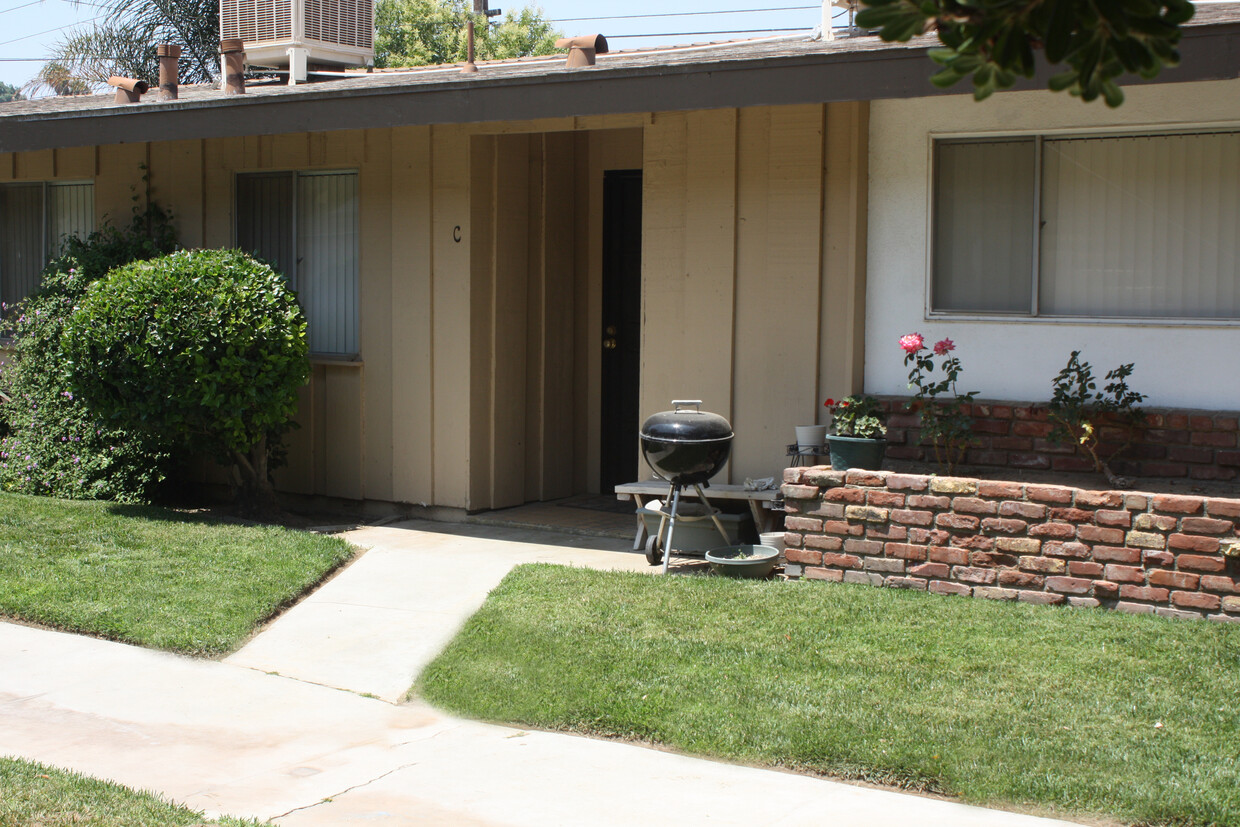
<point x="351" y="357"/>
<point x="933" y="138"/>
<point x="46" y="242"/>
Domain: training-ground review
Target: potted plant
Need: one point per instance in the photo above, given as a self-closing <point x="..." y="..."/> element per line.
<point x="859" y="437"/>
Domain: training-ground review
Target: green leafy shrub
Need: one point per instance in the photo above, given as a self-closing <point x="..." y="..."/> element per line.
<point x="54" y="444"/>
<point x="207" y="347"/>
<point x="1077" y="408"/>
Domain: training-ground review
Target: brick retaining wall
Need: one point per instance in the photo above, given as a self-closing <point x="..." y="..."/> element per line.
<point x="1199" y="445"/>
<point x="1047" y="544"/>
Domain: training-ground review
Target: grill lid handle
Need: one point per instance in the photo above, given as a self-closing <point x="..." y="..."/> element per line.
<point x="677" y="404"/>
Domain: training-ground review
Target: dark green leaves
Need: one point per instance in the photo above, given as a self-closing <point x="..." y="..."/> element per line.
<point x="993" y="41"/>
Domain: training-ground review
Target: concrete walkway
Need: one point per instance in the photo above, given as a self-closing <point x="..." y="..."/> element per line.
<point x="272" y="733"/>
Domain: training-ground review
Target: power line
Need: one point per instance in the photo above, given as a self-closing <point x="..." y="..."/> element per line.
<point x="22" y="6"/>
<point x="49" y="31"/>
<point x="681" y="14"/>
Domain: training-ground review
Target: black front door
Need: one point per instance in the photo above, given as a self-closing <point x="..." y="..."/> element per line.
<point x="621" y="364"/>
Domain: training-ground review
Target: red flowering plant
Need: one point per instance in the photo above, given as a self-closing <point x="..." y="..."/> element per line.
<point x="945" y="421"/>
<point x="859" y="416"/>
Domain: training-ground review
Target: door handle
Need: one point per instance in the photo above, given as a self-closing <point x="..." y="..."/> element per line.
<point x="609" y="343"/>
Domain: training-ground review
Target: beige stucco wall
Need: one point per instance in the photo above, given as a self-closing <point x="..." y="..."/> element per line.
<point x="1017" y="358"/>
<point x="480" y="285"/>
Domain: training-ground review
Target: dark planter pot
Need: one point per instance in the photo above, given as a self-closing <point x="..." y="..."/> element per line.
<point x="857" y="452"/>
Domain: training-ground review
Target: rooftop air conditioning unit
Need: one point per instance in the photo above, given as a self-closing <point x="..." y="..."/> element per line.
<point x="284" y="33"/>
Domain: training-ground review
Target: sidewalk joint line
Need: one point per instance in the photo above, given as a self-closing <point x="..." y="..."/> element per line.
<point x="345" y="791"/>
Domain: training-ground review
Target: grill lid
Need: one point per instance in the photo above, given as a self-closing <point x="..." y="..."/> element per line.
<point x="684" y="425"/>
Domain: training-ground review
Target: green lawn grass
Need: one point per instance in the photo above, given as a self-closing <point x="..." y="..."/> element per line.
<point x="39" y="796"/>
<point x="1072" y="711"/>
<point x="151" y="576"/>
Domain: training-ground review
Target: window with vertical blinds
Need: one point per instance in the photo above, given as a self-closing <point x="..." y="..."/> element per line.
<point x="305" y="224"/>
<point x="1142" y="226"/>
<point x="35" y="218"/>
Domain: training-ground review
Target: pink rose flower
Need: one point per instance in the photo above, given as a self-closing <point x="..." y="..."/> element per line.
<point x="945" y="346"/>
<point x="912" y="342"/>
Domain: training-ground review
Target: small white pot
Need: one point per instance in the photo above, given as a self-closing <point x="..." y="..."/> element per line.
<point x="811" y="436"/>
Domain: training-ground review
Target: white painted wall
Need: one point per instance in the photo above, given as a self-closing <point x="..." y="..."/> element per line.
<point x="1180" y="365"/>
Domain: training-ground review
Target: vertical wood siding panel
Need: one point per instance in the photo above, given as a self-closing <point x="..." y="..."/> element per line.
<point x="778" y="259"/>
<point x="561" y="310"/>
<point x="375" y="278"/>
<point x="412" y="376"/>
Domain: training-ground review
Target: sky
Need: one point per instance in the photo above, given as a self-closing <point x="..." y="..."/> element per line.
<point x="29" y="29"/>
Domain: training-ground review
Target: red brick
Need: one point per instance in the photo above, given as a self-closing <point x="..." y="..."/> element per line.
<point x="821" y="541"/>
<point x="1199" y="422"/>
<point x="1055" y="549"/>
<point x="1008" y="490"/>
<point x="1196" y="600"/>
<point x="1029" y="511"/>
<point x="1072" y="515"/>
<point x="797" y="555"/>
<point x="1220" y="583"/>
<point x="1177" y="504"/>
<point x="961" y="522"/>
<point x="843" y="527"/>
<point x="884" y="499"/>
<point x="1211" y="472"/>
<point x="1071" y="463"/>
<point x="793" y="475"/>
<point x="1226" y="423"/>
<point x="1174" y="579"/>
<point x="971" y="575"/>
<point x="1020" y="579"/>
<point x="799" y="492"/>
<point x="951" y="556"/>
<point x="844" y="561"/>
<point x="1164" y="469"/>
<point x="1106" y="590"/>
<point x="1020" y="459"/>
<point x="884" y="564"/>
<point x="886" y="531"/>
<point x="843" y="495"/>
<point x="1084" y="568"/>
<point x="823" y="477"/>
<point x="915" y="583"/>
<point x="1056" y="531"/>
<point x="1019" y="545"/>
<point x="834" y="575"/>
<point x="1157" y="558"/>
<point x="927" y="501"/>
<point x="1221" y="457"/>
<point x="1031" y="429"/>
<point x="1120" y="519"/>
<point x="1206" y="525"/>
<point x="973" y="505"/>
<point x="1029" y="412"/>
<point x="976" y="542"/>
<point x="1134" y="608"/>
<point x="1069" y="585"/>
<point x="858" y="476"/>
<point x="792" y="540"/>
<point x="905" y="551"/>
<point x="1201" y="562"/>
<point x="909" y="517"/>
<point x="1046" y="565"/>
<point x="1231" y="604"/>
<point x="999" y="525"/>
<point x="1177" y="422"/>
<point x="1187" y="453"/>
<point x="1099" y="499"/>
<point x="1041" y="598"/>
<point x="1145" y="593"/>
<point x="991" y="559"/>
<point x="1136" y="502"/>
<point x="1117" y="554"/>
<point x="1223" y="508"/>
<point x="1097" y="534"/>
<point x="929" y="537"/>
<point x="829" y="511"/>
<point x="1215" y="439"/>
<point x="907" y="482"/>
<point x="939" y="570"/>
<point x="1049" y="493"/>
<point x="945" y="587"/>
<point x="1125" y="574"/>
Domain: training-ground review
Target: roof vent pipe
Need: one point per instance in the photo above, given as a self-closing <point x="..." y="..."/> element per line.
<point x="582" y="49"/>
<point x="128" y="90"/>
<point x="233" y="65"/>
<point x="169" y="67"/>
<point x="470" y="67"/>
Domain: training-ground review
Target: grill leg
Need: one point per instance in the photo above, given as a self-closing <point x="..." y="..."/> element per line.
<point x="714" y="516"/>
<point x="671" y="528"/>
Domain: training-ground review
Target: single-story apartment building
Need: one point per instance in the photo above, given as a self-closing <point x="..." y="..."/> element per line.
<point x="505" y="272"/>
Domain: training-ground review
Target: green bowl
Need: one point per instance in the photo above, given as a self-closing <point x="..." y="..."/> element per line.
<point x="743" y="561"/>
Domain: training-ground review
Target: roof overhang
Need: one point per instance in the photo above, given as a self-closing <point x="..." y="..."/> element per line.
<point x="1210" y="52"/>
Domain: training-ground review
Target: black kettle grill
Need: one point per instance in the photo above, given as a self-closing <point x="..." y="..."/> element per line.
<point x="686" y="448"/>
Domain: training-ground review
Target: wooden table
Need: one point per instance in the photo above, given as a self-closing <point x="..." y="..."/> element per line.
<point x="761" y="503"/>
